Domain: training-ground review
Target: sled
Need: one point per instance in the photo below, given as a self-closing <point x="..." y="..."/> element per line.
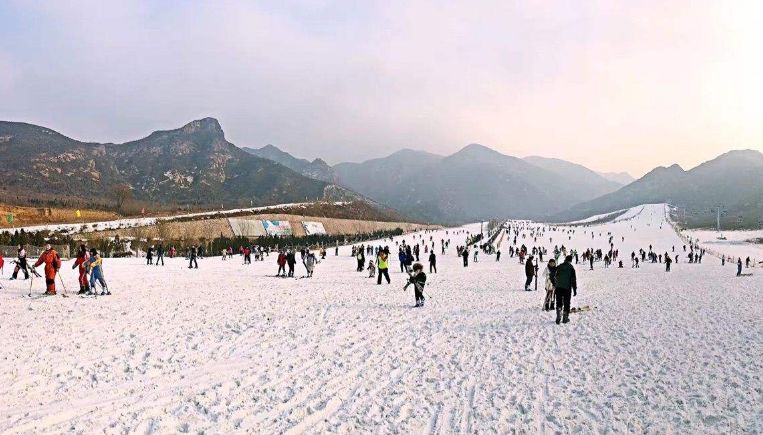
<point x="581" y="309"/>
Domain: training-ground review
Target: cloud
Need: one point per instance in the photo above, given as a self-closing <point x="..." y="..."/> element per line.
<point x="616" y="86"/>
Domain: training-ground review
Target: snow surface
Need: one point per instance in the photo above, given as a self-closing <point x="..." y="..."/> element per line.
<point x="593" y="218"/>
<point x="228" y="348"/>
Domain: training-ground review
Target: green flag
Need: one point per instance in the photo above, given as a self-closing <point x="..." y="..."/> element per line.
<point x="9" y="218"/>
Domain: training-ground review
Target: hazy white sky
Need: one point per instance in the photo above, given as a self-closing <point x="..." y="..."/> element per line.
<point x="612" y="85"/>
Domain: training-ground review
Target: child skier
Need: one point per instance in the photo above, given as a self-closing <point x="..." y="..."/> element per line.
<point x="418" y="278"/>
<point x="371" y="269"/>
<point x="95" y="265"/>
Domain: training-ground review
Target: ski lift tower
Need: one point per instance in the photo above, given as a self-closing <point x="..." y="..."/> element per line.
<point x="719" y="210"/>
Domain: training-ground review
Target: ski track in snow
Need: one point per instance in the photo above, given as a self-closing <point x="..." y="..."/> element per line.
<point x="226" y="348"/>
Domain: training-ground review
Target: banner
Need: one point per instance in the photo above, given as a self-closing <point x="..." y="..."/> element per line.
<point x="277" y="228"/>
<point x="313" y="228"/>
<point x="246" y="227"/>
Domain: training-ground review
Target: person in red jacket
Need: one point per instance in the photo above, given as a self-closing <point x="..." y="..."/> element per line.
<point x="2" y="263"/>
<point x="281" y="264"/>
<point x="81" y="262"/>
<point x="52" y="263"/>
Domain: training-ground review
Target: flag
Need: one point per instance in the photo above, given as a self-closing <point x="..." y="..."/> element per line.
<point x="78" y="214"/>
<point x="9" y="218"/>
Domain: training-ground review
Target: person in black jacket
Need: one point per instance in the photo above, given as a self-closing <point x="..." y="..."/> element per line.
<point x="566" y="283"/>
<point x="21" y="264"/>
<point x="291" y="260"/>
<point x="160" y="254"/>
<point x="529" y="272"/>
<point x="192" y="254"/>
<point x="418" y="278"/>
<point x="432" y="262"/>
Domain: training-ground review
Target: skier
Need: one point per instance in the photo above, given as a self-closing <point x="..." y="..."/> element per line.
<point x="309" y="262"/>
<point x="192" y="258"/>
<point x="81" y="261"/>
<point x="529" y="272"/>
<point x="418" y="278"/>
<point x="95" y="264"/>
<point x="465" y="254"/>
<point x="371" y="269"/>
<point x="565" y="283"/>
<point x="549" y="279"/>
<point x="498" y="255"/>
<point x="668" y="260"/>
<point x="52" y="264"/>
<point x="150" y="255"/>
<point x="160" y="254"/>
<point x="476" y="251"/>
<point x="361" y="260"/>
<point x="432" y="262"/>
<point x="291" y="261"/>
<point x="382" y="263"/>
<point x="739" y="266"/>
<point x="281" y="261"/>
<point x="21" y="263"/>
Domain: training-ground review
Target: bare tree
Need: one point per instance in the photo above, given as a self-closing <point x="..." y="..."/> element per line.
<point x="121" y="193"/>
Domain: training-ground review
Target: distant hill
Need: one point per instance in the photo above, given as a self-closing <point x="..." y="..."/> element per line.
<point x="584" y="178"/>
<point x="317" y="169"/>
<point x="621" y="178"/>
<point x="474" y="183"/>
<point x="193" y="164"/>
<point x="733" y="180"/>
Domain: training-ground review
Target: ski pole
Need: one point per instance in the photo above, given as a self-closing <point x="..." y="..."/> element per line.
<point x="66" y="294"/>
<point x="31" y="281"/>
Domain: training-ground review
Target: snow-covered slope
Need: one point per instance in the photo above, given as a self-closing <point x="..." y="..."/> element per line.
<point x="141" y="222"/>
<point x="229" y="348"/>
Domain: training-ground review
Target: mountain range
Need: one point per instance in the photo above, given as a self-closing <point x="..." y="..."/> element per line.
<point x="733" y="181"/>
<point x="471" y="184"/>
<point x="193" y="164"/>
<point x="196" y="165"/>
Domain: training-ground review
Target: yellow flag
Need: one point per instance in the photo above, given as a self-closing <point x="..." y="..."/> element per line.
<point x="78" y="213"/>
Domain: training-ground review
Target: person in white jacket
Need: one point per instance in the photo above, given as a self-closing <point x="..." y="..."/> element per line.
<point x="548" y="278"/>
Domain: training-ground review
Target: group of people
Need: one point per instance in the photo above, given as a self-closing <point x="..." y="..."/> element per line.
<point x="88" y="263"/>
<point x="288" y="257"/>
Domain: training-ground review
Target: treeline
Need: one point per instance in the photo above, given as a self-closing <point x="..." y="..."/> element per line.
<point x="118" y="247"/>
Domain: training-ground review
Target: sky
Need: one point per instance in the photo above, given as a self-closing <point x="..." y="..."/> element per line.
<point x="615" y="86"/>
